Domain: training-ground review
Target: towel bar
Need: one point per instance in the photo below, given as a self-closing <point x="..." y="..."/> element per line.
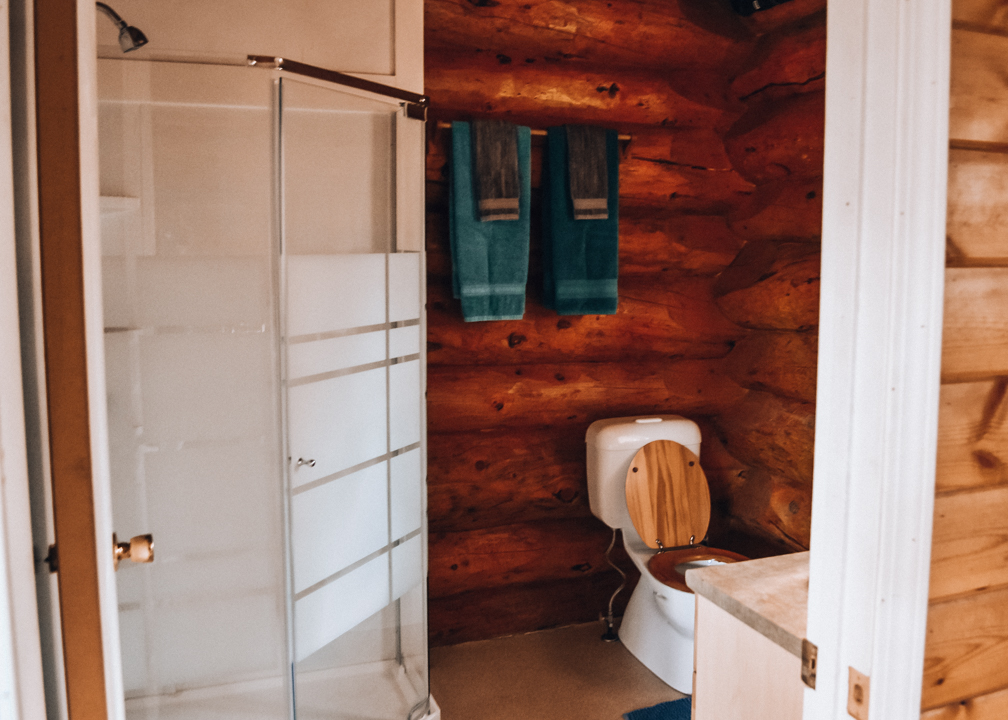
<point x="442" y="125"/>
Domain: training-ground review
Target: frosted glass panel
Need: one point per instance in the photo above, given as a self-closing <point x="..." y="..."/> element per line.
<point x="404" y="403"/>
<point x="325" y="614"/>
<point x="338" y="523"/>
<point x="407" y="566"/>
<point x="407" y="494"/>
<point x="334" y="292"/>
<point x="321" y="356"/>
<point x="404" y="341"/>
<point x="404" y="286"/>
<point x="338" y="423"/>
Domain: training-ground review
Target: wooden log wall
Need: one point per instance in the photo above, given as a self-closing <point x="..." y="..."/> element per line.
<point x="720" y="215"/>
<point x="966" y="657"/>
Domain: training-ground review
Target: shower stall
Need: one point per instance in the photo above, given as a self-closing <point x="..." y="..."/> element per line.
<point x="262" y="236"/>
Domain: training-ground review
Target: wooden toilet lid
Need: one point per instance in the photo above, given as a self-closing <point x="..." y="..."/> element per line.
<point x="667" y="495"/>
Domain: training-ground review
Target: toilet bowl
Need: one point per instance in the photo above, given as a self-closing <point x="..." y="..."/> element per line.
<point x="644" y="477"/>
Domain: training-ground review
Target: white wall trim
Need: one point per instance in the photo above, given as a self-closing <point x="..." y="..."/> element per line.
<point x="29" y="269"/>
<point x="21" y="686"/>
<point x="22" y="692"/>
<point x="884" y="200"/>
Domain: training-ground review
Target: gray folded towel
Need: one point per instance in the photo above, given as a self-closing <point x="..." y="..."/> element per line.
<point x="588" y="170"/>
<point x="495" y="159"/>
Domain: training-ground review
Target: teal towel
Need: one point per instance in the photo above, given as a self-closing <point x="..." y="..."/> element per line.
<point x="489" y="259"/>
<point x="580" y="257"/>
<point x="675" y="710"/>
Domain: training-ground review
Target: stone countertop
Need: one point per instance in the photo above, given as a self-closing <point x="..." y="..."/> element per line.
<point x="769" y="595"/>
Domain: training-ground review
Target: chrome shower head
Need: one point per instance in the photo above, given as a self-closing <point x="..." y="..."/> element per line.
<point x="130" y="38"/>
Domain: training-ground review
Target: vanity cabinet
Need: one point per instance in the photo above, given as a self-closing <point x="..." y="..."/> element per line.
<point x="750" y="622"/>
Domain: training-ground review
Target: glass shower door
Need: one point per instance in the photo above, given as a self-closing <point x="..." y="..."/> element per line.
<point x="352" y="216"/>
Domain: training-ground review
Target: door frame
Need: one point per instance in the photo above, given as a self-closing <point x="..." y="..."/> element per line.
<point x="883" y="271"/>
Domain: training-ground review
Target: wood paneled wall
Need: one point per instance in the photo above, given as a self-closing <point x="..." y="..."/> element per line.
<point x="720" y="215"/>
<point x="966" y="659"/>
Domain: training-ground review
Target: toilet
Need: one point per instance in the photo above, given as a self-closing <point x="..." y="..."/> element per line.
<point x="644" y="478"/>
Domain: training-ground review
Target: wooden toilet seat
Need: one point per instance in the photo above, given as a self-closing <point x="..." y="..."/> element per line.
<point x="669" y="503"/>
<point x="663" y="565"/>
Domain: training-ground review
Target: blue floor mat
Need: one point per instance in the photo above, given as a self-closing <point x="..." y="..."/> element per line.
<point x="675" y="710"/>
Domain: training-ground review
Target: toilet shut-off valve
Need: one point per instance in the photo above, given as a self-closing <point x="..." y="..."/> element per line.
<point x="610" y="634"/>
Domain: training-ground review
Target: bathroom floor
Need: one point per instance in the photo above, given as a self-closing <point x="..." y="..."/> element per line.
<point x="562" y="674"/>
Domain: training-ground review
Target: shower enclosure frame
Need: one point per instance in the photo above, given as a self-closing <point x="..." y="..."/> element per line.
<point x="413" y="106"/>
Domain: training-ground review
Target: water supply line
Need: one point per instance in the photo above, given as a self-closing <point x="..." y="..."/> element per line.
<point x="610" y="633"/>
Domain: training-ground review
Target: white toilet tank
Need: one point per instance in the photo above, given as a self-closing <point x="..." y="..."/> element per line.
<point x="612" y="444"/>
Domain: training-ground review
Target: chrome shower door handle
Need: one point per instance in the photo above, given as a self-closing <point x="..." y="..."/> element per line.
<point x="301" y="461"/>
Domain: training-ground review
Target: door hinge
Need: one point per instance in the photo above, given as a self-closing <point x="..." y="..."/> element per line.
<point x="809" y="656"/>
<point x="857" y="694"/>
<point x="52" y="559"/>
<point x="417" y="110"/>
